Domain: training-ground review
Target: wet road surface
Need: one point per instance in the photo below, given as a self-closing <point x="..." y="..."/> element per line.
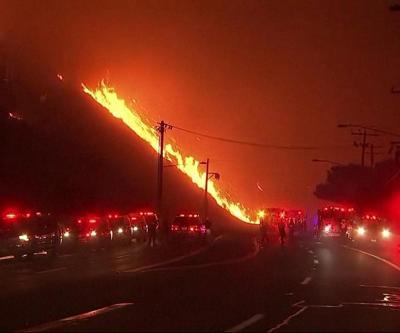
<point x="226" y="285"/>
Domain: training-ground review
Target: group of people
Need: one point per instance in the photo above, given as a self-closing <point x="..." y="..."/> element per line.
<point x="264" y="232"/>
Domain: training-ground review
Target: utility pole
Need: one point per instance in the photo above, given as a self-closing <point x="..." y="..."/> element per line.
<point x="372" y="155"/>
<point x="364" y="144"/>
<point x="206" y="191"/>
<point x="209" y="175"/>
<point x="160" y="170"/>
<point x="395" y="145"/>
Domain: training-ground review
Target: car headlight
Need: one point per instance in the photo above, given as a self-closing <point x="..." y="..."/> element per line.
<point x="327" y="228"/>
<point x="385" y="233"/>
<point x="120" y="230"/>
<point x="93" y="233"/>
<point x="66" y="234"/>
<point x="360" y="231"/>
<point x="135" y="228"/>
<point x="24" y="237"/>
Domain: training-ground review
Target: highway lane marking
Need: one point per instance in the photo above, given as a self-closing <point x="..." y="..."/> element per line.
<point x="382" y="287"/>
<point x="301" y="305"/>
<point x="383" y="304"/>
<point x="306" y="280"/>
<point x="251" y="321"/>
<point x="298" y="304"/>
<point x="288" y="319"/>
<point x="73" y="319"/>
<point x="52" y="270"/>
<point x="211" y="264"/>
<point x="373" y="256"/>
<point x="326" y="306"/>
<point x="6" y="258"/>
<point x="66" y="255"/>
<point x="173" y="260"/>
<point x="129" y="254"/>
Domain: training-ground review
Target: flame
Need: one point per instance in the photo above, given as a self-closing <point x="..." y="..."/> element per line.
<point x="109" y="99"/>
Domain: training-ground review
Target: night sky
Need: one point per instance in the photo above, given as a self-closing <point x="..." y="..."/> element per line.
<point x="275" y="72"/>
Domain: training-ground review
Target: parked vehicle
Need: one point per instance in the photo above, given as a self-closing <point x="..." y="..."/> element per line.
<point x="122" y="230"/>
<point x="93" y="231"/>
<point x="188" y="225"/>
<point x="29" y="233"/>
<point x="139" y="222"/>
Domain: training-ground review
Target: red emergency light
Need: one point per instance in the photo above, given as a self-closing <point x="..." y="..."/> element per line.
<point x="11" y="216"/>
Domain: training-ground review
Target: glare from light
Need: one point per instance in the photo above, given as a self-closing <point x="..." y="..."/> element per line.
<point x="24" y="237"/>
<point x="361" y="231"/>
<point x="385" y="233"/>
<point x="135" y="228"/>
<point x="261" y="214"/>
<point x="93" y="233"/>
<point x="327" y="228"/>
<point x="120" y="230"/>
<point x="66" y="234"/>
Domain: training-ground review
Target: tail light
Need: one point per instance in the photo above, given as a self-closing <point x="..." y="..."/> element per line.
<point x="93" y="233"/>
<point x="11" y="216"/>
<point x="174" y="227"/>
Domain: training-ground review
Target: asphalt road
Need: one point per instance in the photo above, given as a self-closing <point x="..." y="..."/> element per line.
<point x="226" y="285"/>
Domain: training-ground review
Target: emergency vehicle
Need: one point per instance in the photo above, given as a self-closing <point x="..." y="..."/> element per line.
<point x="335" y="221"/>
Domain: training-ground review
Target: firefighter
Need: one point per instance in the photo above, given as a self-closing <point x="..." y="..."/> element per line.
<point x="282" y="231"/>
<point x="263" y="232"/>
<point x="152" y="226"/>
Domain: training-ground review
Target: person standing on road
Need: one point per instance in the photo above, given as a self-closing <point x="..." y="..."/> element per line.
<point x="263" y="232"/>
<point x="152" y="226"/>
<point x="282" y="232"/>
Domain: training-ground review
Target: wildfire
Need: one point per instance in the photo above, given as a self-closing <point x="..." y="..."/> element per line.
<point x="109" y="99"/>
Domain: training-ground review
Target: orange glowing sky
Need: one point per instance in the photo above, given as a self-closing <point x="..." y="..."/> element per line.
<point x="278" y="72"/>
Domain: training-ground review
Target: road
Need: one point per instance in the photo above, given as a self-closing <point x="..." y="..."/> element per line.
<point x="226" y="285"/>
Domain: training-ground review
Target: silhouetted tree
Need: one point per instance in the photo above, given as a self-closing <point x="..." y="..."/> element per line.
<point x="362" y="187"/>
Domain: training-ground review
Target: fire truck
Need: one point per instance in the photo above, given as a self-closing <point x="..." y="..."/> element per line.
<point x="370" y="228"/>
<point x="335" y="221"/>
<point x="295" y="220"/>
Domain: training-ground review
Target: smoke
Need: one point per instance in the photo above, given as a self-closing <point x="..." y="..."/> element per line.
<point x="278" y="73"/>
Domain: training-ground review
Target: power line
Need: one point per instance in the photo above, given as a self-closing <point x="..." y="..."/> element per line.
<point x="258" y="144"/>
